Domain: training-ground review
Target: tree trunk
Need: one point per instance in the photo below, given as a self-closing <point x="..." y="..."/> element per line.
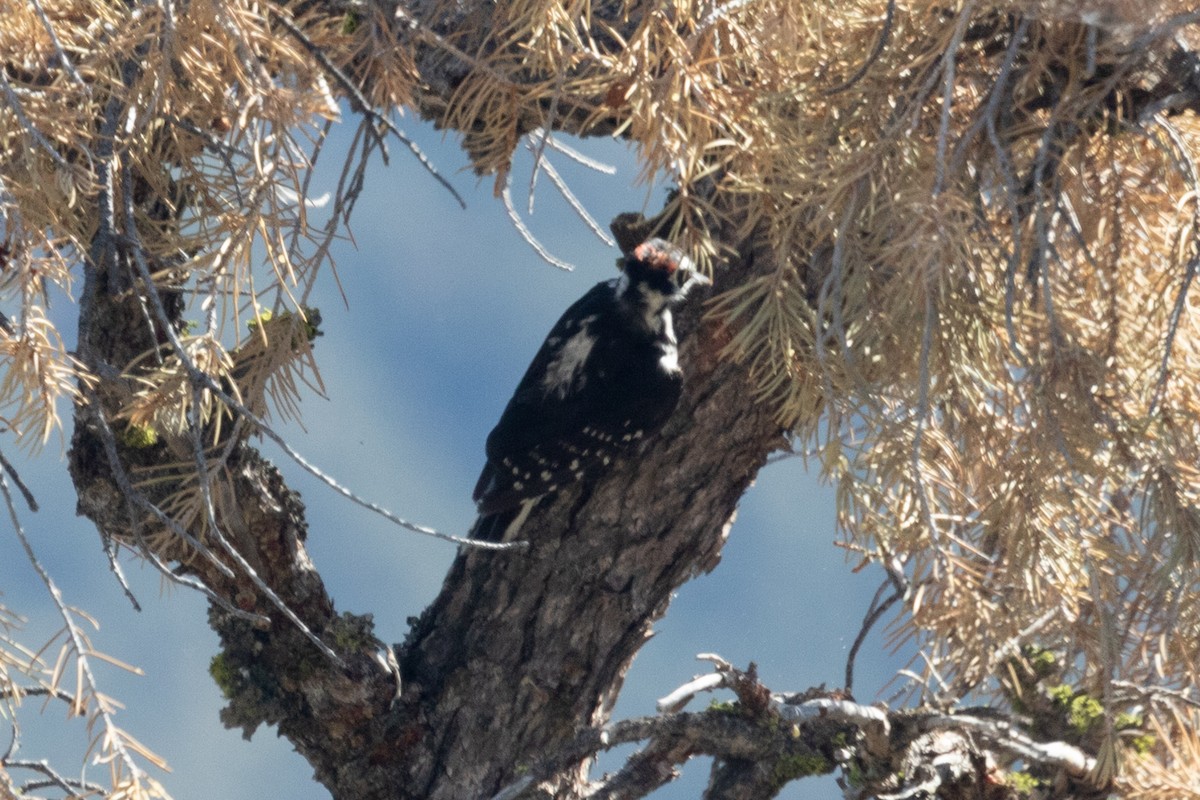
<point x="521" y="650"/>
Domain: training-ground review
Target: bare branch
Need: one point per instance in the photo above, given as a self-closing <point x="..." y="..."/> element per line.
<point x="114" y="737"/>
<point x="30" y="500"/>
<point x="14" y="103"/>
<point x="526" y="234"/>
<point x="563" y="189"/>
<point x="359" y="102"/>
<point x="877" y="610"/>
<point x="676" y="700"/>
<point x="1004" y="735"/>
<point x="884" y="34"/>
<point x="70" y="786"/>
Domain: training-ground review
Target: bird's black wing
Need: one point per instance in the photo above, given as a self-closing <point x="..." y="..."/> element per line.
<point x="535" y="445"/>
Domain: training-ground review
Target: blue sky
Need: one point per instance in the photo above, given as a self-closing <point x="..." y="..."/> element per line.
<point x="446" y="307"/>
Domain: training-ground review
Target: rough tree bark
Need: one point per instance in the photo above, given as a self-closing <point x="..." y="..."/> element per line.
<point x="521" y="651"/>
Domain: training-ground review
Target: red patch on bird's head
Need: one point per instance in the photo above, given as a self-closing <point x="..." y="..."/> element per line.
<point x="655" y="253"/>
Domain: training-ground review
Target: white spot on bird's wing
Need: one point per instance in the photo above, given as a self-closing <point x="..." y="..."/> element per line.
<point x="567" y="365"/>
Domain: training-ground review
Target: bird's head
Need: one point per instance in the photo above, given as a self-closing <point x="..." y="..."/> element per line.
<point x="657" y="267"/>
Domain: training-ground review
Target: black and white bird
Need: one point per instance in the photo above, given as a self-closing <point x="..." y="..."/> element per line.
<point x="606" y="378"/>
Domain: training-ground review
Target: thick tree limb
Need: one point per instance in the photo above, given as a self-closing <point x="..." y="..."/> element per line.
<point x="521" y="651"/>
<point x="547" y="637"/>
<point x="758" y="747"/>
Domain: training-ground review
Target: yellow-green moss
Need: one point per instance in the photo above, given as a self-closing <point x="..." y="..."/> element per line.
<point x="1023" y="782"/>
<point x="312" y="321"/>
<point x="139" y="437"/>
<point x="1126" y="720"/>
<point x="223" y="675"/>
<point x="854" y="775"/>
<point x="262" y="319"/>
<point x="1142" y="745"/>
<point x="1041" y="660"/>
<point x="800" y="765"/>
<point x="1082" y="710"/>
<point x="353" y="632"/>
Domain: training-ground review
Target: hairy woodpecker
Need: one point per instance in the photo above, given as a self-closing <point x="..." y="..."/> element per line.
<point x="606" y="378"/>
